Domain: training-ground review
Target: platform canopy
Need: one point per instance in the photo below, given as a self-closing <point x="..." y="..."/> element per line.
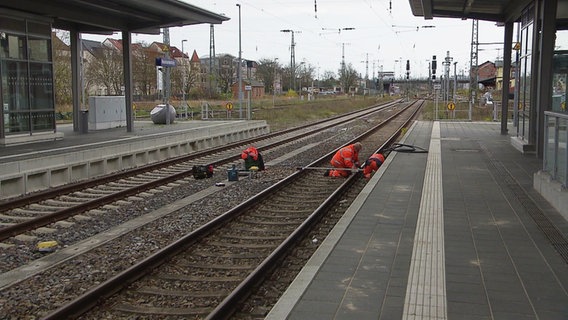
<point x="107" y="16"/>
<point x="488" y="10"/>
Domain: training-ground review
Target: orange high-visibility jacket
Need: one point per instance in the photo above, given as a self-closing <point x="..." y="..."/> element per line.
<point x="373" y="163"/>
<point x="346" y="157"/>
<point x="250" y="151"/>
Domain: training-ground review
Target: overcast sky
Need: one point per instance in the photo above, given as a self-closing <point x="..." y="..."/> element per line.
<point x="384" y="34"/>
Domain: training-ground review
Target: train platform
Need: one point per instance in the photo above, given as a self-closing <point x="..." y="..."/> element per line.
<point x="76" y="156"/>
<point x="455" y="233"/>
<point x="143" y="130"/>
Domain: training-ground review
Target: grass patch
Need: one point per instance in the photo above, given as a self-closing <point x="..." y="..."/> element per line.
<point x="279" y="112"/>
<point x="282" y="117"/>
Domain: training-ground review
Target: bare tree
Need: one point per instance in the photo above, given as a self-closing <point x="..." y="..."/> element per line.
<point x="305" y="75"/>
<point x="348" y="77"/>
<point x="266" y="72"/>
<point x="176" y="80"/>
<point x="61" y="67"/>
<point x="106" y="70"/>
<point x="144" y="69"/>
<point x="328" y="79"/>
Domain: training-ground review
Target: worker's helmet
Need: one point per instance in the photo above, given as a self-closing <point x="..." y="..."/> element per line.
<point x="381" y="157"/>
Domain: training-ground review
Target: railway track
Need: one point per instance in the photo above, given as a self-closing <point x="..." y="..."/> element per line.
<point x="209" y="272"/>
<point x="25" y="214"/>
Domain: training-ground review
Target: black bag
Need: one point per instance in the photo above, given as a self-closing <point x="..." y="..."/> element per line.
<point x="202" y="171"/>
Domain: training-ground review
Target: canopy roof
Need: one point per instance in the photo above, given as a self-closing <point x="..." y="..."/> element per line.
<point x="107" y="16"/>
<point x="488" y="10"/>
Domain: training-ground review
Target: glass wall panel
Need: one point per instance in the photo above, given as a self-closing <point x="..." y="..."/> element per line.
<point x="18" y="122"/>
<point x="42" y="121"/>
<point x="529" y="43"/>
<point x="527" y="88"/>
<point x="39" y="50"/>
<point x="525" y="98"/>
<point x="26" y="72"/>
<point x="560" y="73"/>
<point x="16" y="88"/>
<point x="561" y="41"/>
<point x="12" y="46"/>
<point x="41" y="86"/>
<point x="525" y="65"/>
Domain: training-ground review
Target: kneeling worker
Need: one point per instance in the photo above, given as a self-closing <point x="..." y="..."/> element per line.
<point x="373" y="164"/>
<point x="252" y="158"/>
<point x="346" y="158"/>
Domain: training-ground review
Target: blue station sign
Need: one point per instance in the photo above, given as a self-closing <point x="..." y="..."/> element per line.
<point x="165" y="62"/>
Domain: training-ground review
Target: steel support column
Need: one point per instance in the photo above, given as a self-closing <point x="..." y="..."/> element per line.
<point x="508" y="45"/>
<point x="76" y="77"/>
<point x="127" y="71"/>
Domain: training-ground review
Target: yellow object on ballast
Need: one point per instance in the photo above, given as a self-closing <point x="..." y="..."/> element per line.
<point x="47" y="246"/>
<point x="253" y="171"/>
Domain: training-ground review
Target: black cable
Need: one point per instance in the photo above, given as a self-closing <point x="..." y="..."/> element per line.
<point x="400" y="147"/>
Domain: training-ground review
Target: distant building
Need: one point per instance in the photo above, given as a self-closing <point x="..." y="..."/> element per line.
<point x="257" y="89"/>
<point x="487" y="74"/>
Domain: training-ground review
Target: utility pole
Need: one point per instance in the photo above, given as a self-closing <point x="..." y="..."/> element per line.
<point x="184" y="77"/>
<point x="212" y="62"/>
<point x="473" y="65"/>
<point x="292" y="59"/>
<point x="367" y="67"/>
<point x="274" y="82"/>
<point x="239" y="69"/>
<point x="343" y="57"/>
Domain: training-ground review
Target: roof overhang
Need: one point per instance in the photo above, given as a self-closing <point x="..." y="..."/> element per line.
<point x="107" y="16"/>
<point x="488" y="10"/>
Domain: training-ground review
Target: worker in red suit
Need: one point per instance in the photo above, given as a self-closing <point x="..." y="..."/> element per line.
<point x="372" y="164"/>
<point x="345" y="160"/>
<point x="252" y="158"/>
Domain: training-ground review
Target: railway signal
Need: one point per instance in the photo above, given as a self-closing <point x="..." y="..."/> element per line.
<point x="434" y="67"/>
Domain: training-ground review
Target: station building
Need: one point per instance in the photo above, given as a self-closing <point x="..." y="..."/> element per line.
<point x="26" y="65"/>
